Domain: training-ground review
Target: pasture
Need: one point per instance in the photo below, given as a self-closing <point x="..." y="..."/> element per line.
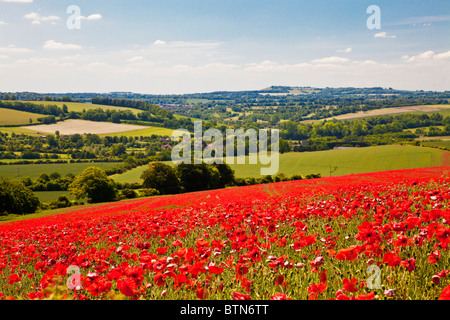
<point x="339" y="162"/>
<point x="35" y="170"/>
<point x="9" y="117"/>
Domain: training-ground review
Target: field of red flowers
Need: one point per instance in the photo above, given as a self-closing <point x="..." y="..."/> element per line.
<point x="372" y="236"/>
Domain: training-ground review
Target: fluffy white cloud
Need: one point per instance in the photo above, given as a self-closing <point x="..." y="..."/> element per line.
<point x="159" y="43"/>
<point x="427" y="56"/>
<point x="347" y="50"/>
<point x="95" y="16"/>
<point x="3" y="23"/>
<point x="54" y="45"/>
<point x="383" y="35"/>
<point x="331" y="60"/>
<point x="36" y="18"/>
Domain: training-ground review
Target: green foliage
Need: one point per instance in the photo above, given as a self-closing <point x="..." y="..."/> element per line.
<point x="94" y="184"/>
<point x="61" y="202"/>
<point x="161" y="177"/>
<point x="16" y="198"/>
<point x="196" y="177"/>
<point x="128" y="194"/>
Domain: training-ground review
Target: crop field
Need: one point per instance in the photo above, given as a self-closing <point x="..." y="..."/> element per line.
<point x="377" y="236"/>
<point x="79" y="107"/>
<point x="71" y="127"/>
<point x="443" y="109"/>
<point x="147" y="132"/>
<point x="10" y="117"/>
<point x="19" y="131"/>
<point x="340" y="162"/>
<point x="35" y="170"/>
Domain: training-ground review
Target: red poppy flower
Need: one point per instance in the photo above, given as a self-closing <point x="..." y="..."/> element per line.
<point x="445" y="295"/>
<point x="279" y="296"/>
<point x="240" y="296"/>
<point x="350" y="285"/>
<point x="348" y="254"/>
<point x="391" y="259"/>
<point x="215" y="269"/>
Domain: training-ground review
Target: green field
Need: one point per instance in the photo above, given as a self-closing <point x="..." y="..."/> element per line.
<point x="49" y="196"/>
<point x="9" y="117"/>
<point x="35" y="170"/>
<point x="20" y="130"/>
<point x="341" y="162"/>
<point x="79" y="107"/>
<point x="144" y="132"/>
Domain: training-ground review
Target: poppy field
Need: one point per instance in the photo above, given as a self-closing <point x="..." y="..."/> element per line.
<point x="362" y="237"/>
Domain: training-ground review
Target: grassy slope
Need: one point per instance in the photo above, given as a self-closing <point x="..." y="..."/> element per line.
<point x="348" y="161"/>
<point x="10" y="117"/>
<point x="144" y="132"/>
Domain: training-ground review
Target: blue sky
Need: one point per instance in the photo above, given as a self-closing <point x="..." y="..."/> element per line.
<point x="186" y="46"/>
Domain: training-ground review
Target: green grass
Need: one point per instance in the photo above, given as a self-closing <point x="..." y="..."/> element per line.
<point x="440" y="143"/>
<point x="19" y="130"/>
<point x="79" y="107"/>
<point x="48" y="196"/>
<point x="351" y="161"/>
<point x="35" y="170"/>
<point x="9" y="117"/>
<point x="144" y="132"/>
<point x="348" y="161"/>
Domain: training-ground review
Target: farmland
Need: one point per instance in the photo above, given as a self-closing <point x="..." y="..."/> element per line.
<point x="308" y="240"/>
<point x="79" y="107"/>
<point x="71" y="127"/>
<point x="33" y="171"/>
<point x="13" y="117"/>
<point x="442" y="109"/>
<point x="341" y="162"/>
<point x="147" y="132"/>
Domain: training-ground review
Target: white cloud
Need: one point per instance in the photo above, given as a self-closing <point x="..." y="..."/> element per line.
<point x="3" y="23"/>
<point x="37" y="18"/>
<point x="383" y="35"/>
<point x="331" y="60"/>
<point x="95" y="16"/>
<point x="54" y="45"/>
<point x="426" y="56"/>
<point x="159" y="43"/>
<point x="13" y="49"/>
<point x="347" y="50"/>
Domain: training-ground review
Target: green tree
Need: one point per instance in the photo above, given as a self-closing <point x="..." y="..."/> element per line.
<point x="197" y="177"/>
<point x="16" y="198"/>
<point x="118" y="149"/>
<point x="161" y="177"/>
<point x="227" y="177"/>
<point x="94" y="184"/>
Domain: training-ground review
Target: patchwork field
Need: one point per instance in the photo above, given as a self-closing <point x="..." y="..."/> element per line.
<point x="71" y="127"/>
<point x="443" y="109"/>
